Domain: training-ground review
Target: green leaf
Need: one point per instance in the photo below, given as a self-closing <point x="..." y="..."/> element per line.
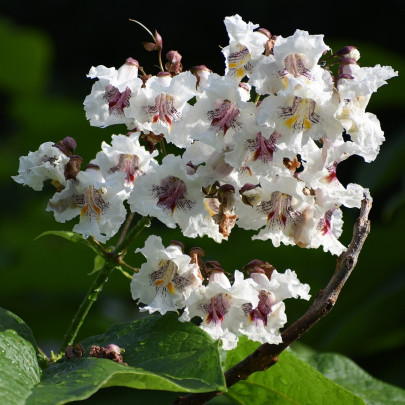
<point x="69" y="235"/>
<point x="19" y="370"/>
<point x="10" y="321"/>
<point x="289" y="381"/>
<point x="161" y="352"/>
<point x="72" y="236"/>
<point x="349" y="375"/>
<point x="99" y="262"/>
<point x="180" y="352"/>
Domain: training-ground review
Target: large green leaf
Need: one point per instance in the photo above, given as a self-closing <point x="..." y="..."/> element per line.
<point x="161" y="352"/>
<point x="181" y="352"/>
<point x="19" y="370"/>
<point x="289" y="381"/>
<point x="349" y="375"/>
<point x="302" y="376"/>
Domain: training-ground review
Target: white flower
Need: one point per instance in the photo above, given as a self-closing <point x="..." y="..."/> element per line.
<point x="98" y="202"/>
<point x="327" y="231"/>
<point x="110" y="95"/>
<point x="245" y="45"/>
<point x="160" y="106"/>
<point x="279" y="213"/>
<point x="294" y="62"/>
<point x="299" y="115"/>
<point x="173" y="196"/>
<point x="167" y="278"/>
<point x="257" y="151"/>
<point x="220" y="113"/>
<point x="261" y="322"/>
<point x="366" y="80"/>
<point x="363" y="127"/>
<point x="219" y="305"/>
<point x="320" y="175"/>
<point x="47" y="163"/>
<point x="125" y="154"/>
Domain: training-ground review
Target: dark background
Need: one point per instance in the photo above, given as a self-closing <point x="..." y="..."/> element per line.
<point x="46" y="50"/>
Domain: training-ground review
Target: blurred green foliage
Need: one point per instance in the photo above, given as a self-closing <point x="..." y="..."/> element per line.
<point x="44" y="281"/>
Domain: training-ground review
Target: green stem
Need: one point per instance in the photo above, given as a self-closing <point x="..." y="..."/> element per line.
<point x="111" y="260"/>
<point x="132" y="234"/>
<point x="89" y="300"/>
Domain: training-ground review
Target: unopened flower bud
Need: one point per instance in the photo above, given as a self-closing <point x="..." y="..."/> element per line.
<point x="177" y="243"/>
<point x="259" y="266"/>
<point x="158" y="39"/>
<point x="264" y="31"/>
<point x="196" y="254"/>
<point x="173" y="56"/>
<point x="348" y="52"/>
<point x="133" y="62"/>
<point x="67" y="145"/>
<point x="201" y="72"/>
<point x="212" y="266"/>
<point x="173" y="65"/>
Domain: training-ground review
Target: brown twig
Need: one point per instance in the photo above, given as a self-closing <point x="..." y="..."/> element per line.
<point x="266" y="355"/>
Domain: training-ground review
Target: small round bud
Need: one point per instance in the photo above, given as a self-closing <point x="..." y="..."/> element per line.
<point x="264" y="31"/>
<point x="177" y="243"/>
<point x="132" y="61"/>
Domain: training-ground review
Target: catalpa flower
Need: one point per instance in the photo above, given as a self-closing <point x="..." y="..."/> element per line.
<point x="364" y="128"/>
<point x="262" y="322"/>
<point x="98" y="202"/>
<point x="125" y="154"/>
<point x="167" y="278"/>
<point x="174" y="197"/>
<point x="327" y="230"/>
<point x="294" y="62"/>
<point x="300" y="115"/>
<point x="219" y="305"/>
<point x="220" y="113"/>
<point x="245" y="46"/>
<point x="279" y="213"/>
<point x="319" y="173"/>
<point x="111" y="94"/>
<point x="47" y="163"/>
<point x="161" y="105"/>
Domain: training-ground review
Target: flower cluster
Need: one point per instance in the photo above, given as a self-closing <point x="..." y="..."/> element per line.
<point x="258" y="147"/>
<point x="171" y="281"/>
